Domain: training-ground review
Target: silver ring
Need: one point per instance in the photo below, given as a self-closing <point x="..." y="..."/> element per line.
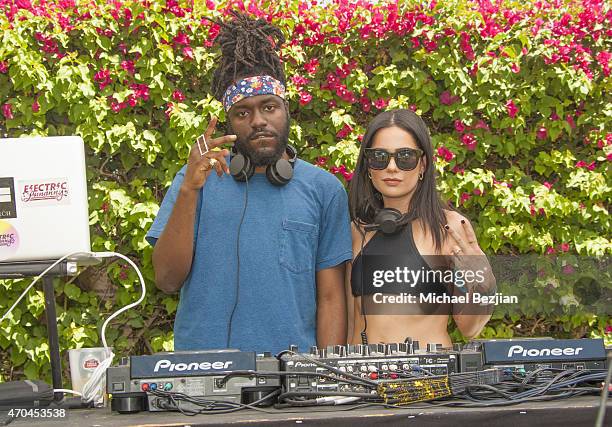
<point x="213" y="162"/>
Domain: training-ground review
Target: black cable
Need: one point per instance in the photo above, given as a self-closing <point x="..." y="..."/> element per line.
<point x="364" y="334"/>
<point x="231" y="319"/>
<point x="601" y="412"/>
<point x="329" y="367"/>
<point x="209" y="406"/>
<point x="288" y="373"/>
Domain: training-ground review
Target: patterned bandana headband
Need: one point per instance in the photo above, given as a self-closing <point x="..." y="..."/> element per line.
<point x="252" y="86"/>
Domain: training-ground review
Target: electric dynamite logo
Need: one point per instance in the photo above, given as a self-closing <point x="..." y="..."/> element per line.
<point x="9" y="240"/>
<point x="44" y="192"/>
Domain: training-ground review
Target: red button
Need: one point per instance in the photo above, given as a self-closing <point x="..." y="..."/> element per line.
<point x="144" y="387"/>
<point x="373" y="376"/>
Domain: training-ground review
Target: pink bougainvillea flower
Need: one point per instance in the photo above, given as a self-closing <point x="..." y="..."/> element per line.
<point x="570" y="120"/>
<point x="564" y="247"/>
<point x="128" y="66"/>
<point x="477" y="192"/>
<point x="445" y="153"/>
<point x="466" y="47"/>
<point x="470" y="141"/>
<point x="541" y="133"/>
<point x="381" y="103"/>
<point x="188" y="52"/>
<point x="35" y="106"/>
<point x="311" y="66"/>
<point x="447" y="99"/>
<point x="321" y="160"/>
<point x="299" y="81"/>
<point x="591" y="166"/>
<point x="511" y="108"/>
<point x="344" y="132"/>
<point x="3" y="67"/>
<point x="515" y="68"/>
<point x="347" y="175"/>
<point x="7" y="110"/>
<point x="23" y="4"/>
<point x="366" y="104"/>
<point x="459" y="126"/>
<point x="547" y="185"/>
<point x="305" y="98"/>
<point x="464" y="198"/>
<point x="177" y="95"/>
<point x="550" y="250"/>
<point x="181" y="39"/>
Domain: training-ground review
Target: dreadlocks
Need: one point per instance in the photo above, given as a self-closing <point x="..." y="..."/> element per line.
<point x="248" y="47"/>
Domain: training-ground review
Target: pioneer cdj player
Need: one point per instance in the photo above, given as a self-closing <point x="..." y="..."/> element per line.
<point x="148" y="382"/>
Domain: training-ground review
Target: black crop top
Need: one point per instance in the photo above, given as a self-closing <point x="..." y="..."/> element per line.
<point x="403" y="250"/>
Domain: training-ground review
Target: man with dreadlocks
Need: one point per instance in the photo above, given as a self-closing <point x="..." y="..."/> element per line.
<point x="259" y="258"/>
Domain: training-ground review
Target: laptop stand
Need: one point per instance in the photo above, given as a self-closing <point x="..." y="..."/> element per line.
<point x="18" y="270"/>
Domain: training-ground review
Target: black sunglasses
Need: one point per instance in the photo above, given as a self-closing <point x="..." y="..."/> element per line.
<point x="405" y="158"/>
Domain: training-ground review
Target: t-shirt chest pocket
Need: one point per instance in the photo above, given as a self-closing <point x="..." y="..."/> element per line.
<point x="298" y="242"/>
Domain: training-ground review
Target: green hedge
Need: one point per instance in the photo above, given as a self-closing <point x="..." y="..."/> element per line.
<point x="517" y="98"/>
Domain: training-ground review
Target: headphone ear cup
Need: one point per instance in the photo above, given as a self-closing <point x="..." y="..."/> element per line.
<point x="280" y="173"/>
<point x="241" y="168"/>
<point x="388" y="220"/>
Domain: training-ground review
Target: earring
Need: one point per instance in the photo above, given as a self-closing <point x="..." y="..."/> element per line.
<point x="421" y="176"/>
<point x="369" y="175"/>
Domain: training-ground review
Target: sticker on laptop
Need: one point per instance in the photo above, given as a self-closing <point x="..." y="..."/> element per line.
<point x="44" y="192"/>
<point x="9" y="240"/>
<point x="8" y="208"/>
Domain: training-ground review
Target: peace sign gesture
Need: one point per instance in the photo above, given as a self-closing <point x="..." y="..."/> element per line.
<point x="466" y="255"/>
<point x="203" y="158"/>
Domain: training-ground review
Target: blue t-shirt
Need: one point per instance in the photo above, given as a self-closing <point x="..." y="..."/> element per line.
<point x="288" y="234"/>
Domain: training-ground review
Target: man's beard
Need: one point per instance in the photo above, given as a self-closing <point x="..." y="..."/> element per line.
<point x="244" y="145"/>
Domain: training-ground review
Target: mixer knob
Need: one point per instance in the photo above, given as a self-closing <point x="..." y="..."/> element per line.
<point x="402" y="348"/>
<point x="380" y="348"/>
<point x="409" y="343"/>
<point x="457" y="346"/>
<point x="352" y="349"/>
<point x="339" y="350"/>
<point x="431" y="348"/>
<point x="365" y="350"/>
<point x="389" y="349"/>
<point x="415" y="346"/>
<point x="322" y="352"/>
<point x="314" y="351"/>
<point x="293" y="348"/>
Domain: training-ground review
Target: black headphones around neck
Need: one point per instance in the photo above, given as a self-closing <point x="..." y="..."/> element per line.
<point x="278" y="173"/>
<point x="389" y="221"/>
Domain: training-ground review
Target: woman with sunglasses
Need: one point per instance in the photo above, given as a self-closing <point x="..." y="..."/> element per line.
<point x="395" y="177"/>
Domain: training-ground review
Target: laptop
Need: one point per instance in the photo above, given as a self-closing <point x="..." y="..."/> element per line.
<point x="43" y="198"/>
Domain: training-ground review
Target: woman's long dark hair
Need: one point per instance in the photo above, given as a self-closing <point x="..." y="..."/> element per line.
<point x="365" y="200"/>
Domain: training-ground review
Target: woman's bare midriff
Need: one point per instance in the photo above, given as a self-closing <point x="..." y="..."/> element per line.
<point x="396" y="328"/>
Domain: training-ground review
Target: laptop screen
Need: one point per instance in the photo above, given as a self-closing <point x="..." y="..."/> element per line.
<point x="43" y="198"/>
